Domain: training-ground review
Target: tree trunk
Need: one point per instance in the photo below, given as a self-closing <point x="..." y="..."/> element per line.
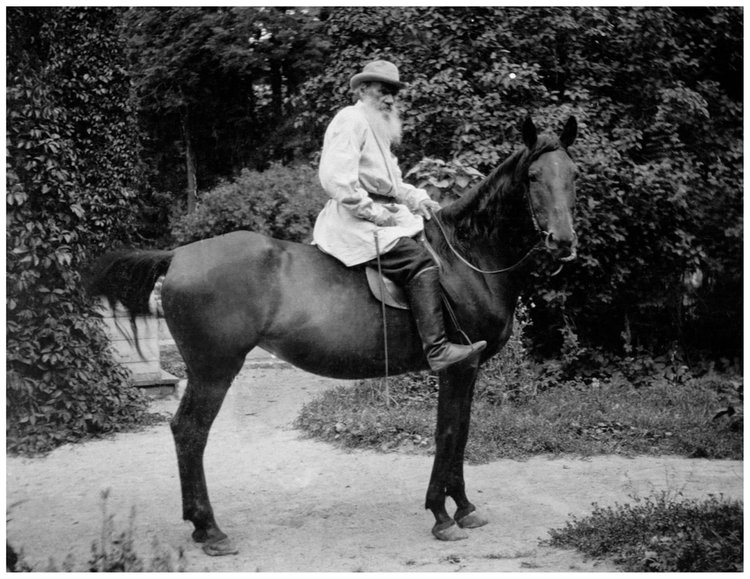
<point x="192" y="181"/>
<point x="277" y="96"/>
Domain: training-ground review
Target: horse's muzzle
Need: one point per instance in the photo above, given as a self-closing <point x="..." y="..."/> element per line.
<point x="563" y="249"/>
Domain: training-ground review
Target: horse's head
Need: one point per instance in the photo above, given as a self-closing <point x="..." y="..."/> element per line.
<point x="551" y="188"/>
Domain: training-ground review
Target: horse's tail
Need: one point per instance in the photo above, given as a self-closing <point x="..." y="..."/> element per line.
<point x="128" y="277"/>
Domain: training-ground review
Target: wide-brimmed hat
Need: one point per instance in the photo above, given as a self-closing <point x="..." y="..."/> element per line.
<point x="379" y="70"/>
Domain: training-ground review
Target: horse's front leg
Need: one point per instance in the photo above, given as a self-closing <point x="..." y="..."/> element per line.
<point x="452" y="431"/>
<point x="466" y="516"/>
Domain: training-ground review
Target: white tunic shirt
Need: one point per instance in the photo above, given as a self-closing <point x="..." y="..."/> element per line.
<point x="353" y="166"/>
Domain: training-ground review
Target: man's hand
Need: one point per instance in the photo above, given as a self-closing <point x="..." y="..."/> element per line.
<point x="427" y="207"/>
<point x="389" y="220"/>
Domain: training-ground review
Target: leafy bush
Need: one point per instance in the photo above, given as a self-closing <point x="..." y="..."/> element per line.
<point x="510" y="376"/>
<point x="661" y="534"/>
<point x="71" y="170"/>
<point x="444" y="181"/>
<point x="282" y="202"/>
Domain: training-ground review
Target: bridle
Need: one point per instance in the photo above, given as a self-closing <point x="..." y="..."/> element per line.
<point x="463" y="260"/>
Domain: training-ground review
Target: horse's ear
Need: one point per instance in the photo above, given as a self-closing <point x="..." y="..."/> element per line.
<point x="569" y="133"/>
<point x="529" y="132"/>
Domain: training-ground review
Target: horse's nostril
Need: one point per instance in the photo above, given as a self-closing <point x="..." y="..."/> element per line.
<point x="549" y="241"/>
<point x="571" y="254"/>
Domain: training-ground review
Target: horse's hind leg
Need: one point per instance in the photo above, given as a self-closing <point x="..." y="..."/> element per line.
<point x="190" y="427"/>
<point x="447" y="479"/>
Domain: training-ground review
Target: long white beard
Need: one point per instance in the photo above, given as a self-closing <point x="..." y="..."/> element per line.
<point x="385" y="124"/>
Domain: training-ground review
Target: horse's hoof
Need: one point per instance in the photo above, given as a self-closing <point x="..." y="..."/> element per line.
<point x="472" y="521"/>
<point x="450" y="532"/>
<point x="219" y="548"/>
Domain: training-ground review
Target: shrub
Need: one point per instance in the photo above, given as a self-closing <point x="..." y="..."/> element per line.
<point x="443" y="181"/>
<point x="509" y="376"/>
<point x="282" y="202"/>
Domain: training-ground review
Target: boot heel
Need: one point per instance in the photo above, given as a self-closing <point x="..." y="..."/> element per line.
<point x="449" y="354"/>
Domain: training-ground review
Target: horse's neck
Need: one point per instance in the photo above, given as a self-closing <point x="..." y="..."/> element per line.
<point x="490" y="224"/>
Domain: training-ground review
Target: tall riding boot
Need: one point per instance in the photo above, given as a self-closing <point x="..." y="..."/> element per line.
<point x="423" y="292"/>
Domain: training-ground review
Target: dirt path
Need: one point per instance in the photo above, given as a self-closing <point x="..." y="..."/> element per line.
<point x="292" y="504"/>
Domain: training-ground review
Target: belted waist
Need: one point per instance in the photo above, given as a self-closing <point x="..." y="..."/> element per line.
<point x="382" y="198"/>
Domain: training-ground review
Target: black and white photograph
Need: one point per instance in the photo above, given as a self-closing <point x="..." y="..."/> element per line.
<point x="373" y="289"/>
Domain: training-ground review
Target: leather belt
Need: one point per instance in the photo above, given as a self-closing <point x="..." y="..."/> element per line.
<point x="382" y="198"/>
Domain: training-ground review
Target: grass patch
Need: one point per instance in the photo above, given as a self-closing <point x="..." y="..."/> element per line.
<point x="358" y="417"/>
<point x="611" y="417"/>
<point x="661" y="533"/>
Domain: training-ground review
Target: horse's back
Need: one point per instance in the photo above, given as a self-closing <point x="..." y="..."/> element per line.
<point x="197" y="259"/>
<point x="220" y="273"/>
<point x="238" y="262"/>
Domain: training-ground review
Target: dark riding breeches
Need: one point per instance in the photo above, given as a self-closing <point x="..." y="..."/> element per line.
<point x="403" y="261"/>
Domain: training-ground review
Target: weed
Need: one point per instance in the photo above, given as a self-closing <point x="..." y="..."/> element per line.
<point x="661" y="533"/>
<point x="113" y="552"/>
<point x="171" y="361"/>
<point x="510" y="555"/>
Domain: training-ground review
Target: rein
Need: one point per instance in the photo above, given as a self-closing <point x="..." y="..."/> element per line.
<point x="513" y="267"/>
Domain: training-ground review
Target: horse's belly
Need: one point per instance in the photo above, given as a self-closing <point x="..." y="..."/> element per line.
<point x="353" y="366"/>
<point x="350" y="343"/>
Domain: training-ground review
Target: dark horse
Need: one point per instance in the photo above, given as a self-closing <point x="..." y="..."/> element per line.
<point x="226" y="295"/>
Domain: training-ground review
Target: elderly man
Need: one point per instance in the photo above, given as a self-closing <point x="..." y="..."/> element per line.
<point x="369" y="198"/>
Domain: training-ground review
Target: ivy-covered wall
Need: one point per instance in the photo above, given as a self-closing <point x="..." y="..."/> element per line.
<point x="71" y="164"/>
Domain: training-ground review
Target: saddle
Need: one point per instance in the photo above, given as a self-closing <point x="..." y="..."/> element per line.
<point x="386" y="290"/>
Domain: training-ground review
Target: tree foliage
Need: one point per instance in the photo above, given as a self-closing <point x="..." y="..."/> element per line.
<point x="215" y="80"/>
<point x="71" y="164"/>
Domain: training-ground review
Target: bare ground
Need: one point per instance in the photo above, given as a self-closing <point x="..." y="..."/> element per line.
<point x="293" y="504"/>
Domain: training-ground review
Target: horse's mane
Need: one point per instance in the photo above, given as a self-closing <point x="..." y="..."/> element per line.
<point x="477" y="213"/>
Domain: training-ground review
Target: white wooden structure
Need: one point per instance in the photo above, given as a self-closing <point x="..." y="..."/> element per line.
<point x="144" y="360"/>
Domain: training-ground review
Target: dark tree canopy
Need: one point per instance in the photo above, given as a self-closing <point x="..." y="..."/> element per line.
<point x="217" y="80"/>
